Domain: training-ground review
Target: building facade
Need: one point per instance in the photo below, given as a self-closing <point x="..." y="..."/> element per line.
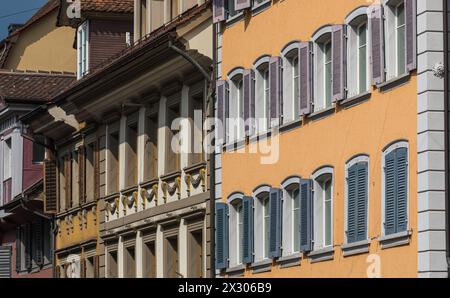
<point x="337" y="167"/>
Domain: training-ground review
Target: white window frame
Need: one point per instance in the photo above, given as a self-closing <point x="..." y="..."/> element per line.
<point x="320" y="39"/>
<point x="319" y="176"/>
<point x="388" y="149"/>
<point x="83" y="61"/>
<point x="288" y="217"/>
<point x="259" y="194"/>
<point x="262" y="94"/>
<point x="291" y="102"/>
<point x="234" y="200"/>
<point x="391" y="39"/>
<point x="7" y="158"/>
<point x="356" y="159"/>
<point x="235" y="124"/>
<point x="354" y="21"/>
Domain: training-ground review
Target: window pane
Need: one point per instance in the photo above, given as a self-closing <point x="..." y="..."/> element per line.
<point x="327" y="82"/>
<point x="328" y="213"/>
<point x="362" y="57"/>
<point x="401" y="40"/>
<point x="296" y="90"/>
<point x="296" y="219"/>
<point x="241" y="232"/>
<point x="266" y="227"/>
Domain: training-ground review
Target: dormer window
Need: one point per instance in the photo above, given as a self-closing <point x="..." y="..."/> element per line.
<point x="82" y="50"/>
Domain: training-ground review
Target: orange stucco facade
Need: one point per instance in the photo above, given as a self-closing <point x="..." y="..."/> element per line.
<point x="332" y="140"/>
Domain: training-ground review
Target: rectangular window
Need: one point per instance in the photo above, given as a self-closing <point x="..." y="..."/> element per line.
<point x="82" y="49"/>
<point x="362" y="58"/>
<point x="156" y="14"/>
<point x="89" y="268"/>
<point x="195" y="262"/>
<point x="131" y="155"/>
<point x="38" y="149"/>
<point x="151" y="148"/>
<point x="171" y="258"/>
<point x="149" y="260"/>
<point x="112" y="163"/>
<point x="400" y="38"/>
<point x="7" y="159"/>
<point x="130" y="262"/>
<point x="295" y="197"/>
<point x="172" y="154"/>
<point x="90" y="179"/>
<point x="196" y="115"/>
<point x="75" y="179"/>
<point x="112" y="265"/>
<point x="61" y="184"/>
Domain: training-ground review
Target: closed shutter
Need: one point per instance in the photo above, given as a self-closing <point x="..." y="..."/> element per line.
<point x="362" y="202"/>
<point x="222" y="107"/>
<point x="248" y="230"/>
<point x="352" y="184"/>
<point x="38" y="243"/>
<point x="338" y="61"/>
<point x="218" y="11"/>
<point x="377" y="44"/>
<point x="221" y="235"/>
<point x="82" y="174"/>
<point x="357" y="188"/>
<point x="275" y="223"/>
<point x="411" y="29"/>
<point x="306" y="220"/>
<point x="402" y="189"/>
<point x="19" y="240"/>
<point x="242" y="4"/>
<point x="389" y="193"/>
<point x="305" y="78"/>
<point x="5" y="261"/>
<point x="249" y="101"/>
<point x="275" y="90"/>
<point x="50" y="187"/>
<point x="28" y="253"/>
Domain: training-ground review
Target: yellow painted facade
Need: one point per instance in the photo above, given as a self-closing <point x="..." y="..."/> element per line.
<point x="43" y="46"/>
<point x="366" y="128"/>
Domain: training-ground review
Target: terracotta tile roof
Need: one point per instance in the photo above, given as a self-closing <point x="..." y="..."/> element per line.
<point x="28" y="86"/>
<point x="118" y="6"/>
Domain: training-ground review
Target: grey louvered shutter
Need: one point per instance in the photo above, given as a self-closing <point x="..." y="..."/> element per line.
<point x="247" y="203"/>
<point x="377" y="44"/>
<point x="275" y="223"/>
<point x="38" y="243"/>
<point x="275" y="90"/>
<point x="361" y="232"/>
<point x="28" y="253"/>
<point x="19" y="249"/>
<point x="242" y="4"/>
<point x="306" y="220"/>
<point x="218" y="11"/>
<point x="249" y="101"/>
<point x="5" y="261"/>
<point x="352" y="190"/>
<point x="305" y="77"/>
<point x="402" y="189"/>
<point x="222" y="106"/>
<point x="389" y="193"/>
<point x="221" y="235"/>
<point x="338" y="61"/>
<point x="411" y="29"/>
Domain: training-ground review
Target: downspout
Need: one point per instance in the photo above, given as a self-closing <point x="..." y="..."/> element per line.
<point x="446" y="133"/>
<point x="210" y="114"/>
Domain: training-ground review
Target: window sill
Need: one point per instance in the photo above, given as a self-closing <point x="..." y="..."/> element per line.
<point x="288" y="126"/>
<point x="194" y="167"/>
<point x="394" y="82"/>
<point x="321" y="255"/>
<point x="321" y="114"/>
<point x="129" y="190"/>
<point x="149" y="182"/>
<point x="356" y="248"/>
<point x="262" y="266"/>
<point x="397" y="239"/>
<point x="355" y="100"/>
<point x="171" y="176"/>
<point x="260" y="8"/>
<point x="234" y="19"/>
<point x="236" y="271"/>
<point x="290" y="260"/>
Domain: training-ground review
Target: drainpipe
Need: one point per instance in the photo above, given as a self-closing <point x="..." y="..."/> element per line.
<point x="210" y="114"/>
<point x="446" y="133"/>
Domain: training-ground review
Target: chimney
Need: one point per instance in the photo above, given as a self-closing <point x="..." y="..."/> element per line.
<point x="13" y="27"/>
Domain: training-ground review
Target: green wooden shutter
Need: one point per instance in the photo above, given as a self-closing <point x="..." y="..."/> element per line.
<point x="351" y="203"/>
<point x="362" y="202"/>
<point x="306" y="219"/>
<point x="402" y="189"/>
<point x="221" y="235"/>
<point x="275" y="223"/>
<point x="389" y="193"/>
<point x="248" y="230"/>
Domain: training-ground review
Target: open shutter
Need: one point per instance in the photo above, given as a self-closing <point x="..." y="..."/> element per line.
<point x="306" y="220"/>
<point x="352" y="189"/>
<point x="28" y="246"/>
<point x="275" y="90"/>
<point x="402" y="189"/>
<point x="338" y="61"/>
<point x="249" y="101"/>
<point x="362" y="201"/>
<point x="305" y="77"/>
<point x="38" y="243"/>
<point x="275" y="223"/>
<point x="242" y="4"/>
<point x="218" y="11"/>
<point x="82" y="174"/>
<point x="377" y="44"/>
<point x="222" y="107"/>
<point x="221" y="235"/>
<point x="411" y="29"/>
<point x="50" y="187"/>
<point x="389" y="193"/>
<point x="5" y="261"/>
<point x="248" y="230"/>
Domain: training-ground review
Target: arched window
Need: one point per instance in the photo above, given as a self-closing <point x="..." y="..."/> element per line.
<point x="322" y="68"/>
<point x="262" y="89"/>
<point x="291" y="81"/>
<point x="291" y="216"/>
<point x="236" y="123"/>
<point x="323" y="208"/>
<point x="262" y="221"/>
<point x="236" y="229"/>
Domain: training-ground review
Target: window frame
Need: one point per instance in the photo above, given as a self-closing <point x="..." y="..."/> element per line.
<point x="391" y="40"/>
<point x="236" y="100"/>
<point x="83" y="37"/>
<point x="7" y="158"/>
<point x="360" y="158"/>
<point x="260" y="194"/>
<point x="262" y="93"/>
<point x="388" y="149"/>
<point x="320" y="39"/>
<point x="288" y="229"/>
<point x="235" y="201"/>
<point x="291" y="100"/>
